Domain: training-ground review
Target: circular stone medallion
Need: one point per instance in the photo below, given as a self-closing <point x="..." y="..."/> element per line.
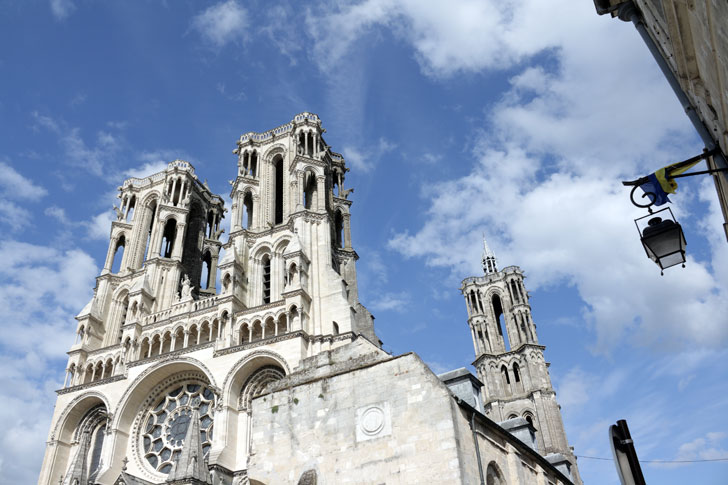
<point x="372" y="421"/>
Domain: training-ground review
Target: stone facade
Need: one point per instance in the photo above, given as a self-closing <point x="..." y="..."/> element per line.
<point x="271" y="374"/>
<point x="357" y="415"/>
<point x="692" y="40"/>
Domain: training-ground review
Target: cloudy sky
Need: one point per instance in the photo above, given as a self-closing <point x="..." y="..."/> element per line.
<point x="513" y="119"/>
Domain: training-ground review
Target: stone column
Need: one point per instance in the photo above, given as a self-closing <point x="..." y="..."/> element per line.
<point x="212" y="280"/>
<point x="475" y="344"/>
<point x="299" y="190"/>
<point x="320" y="194"/>
<point x="347" y="231"/>
<point x="257" y="213"/>
<point x="178" y="242"/>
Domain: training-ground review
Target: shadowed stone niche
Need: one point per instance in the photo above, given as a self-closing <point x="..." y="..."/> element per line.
<point x="308" y="478"/>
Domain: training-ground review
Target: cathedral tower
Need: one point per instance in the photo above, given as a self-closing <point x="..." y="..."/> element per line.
<point x="509" y="360"/>
<point x="168" y="356"/>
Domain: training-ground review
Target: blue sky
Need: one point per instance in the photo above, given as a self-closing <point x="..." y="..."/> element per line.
<point x="517" y="119"/>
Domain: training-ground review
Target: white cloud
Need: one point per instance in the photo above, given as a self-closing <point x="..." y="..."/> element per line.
<point x="95" y="158"/>
<point x="546" y="186"/>
<point x="57" y="213"/>
<point x="222" y="23"/>
<point x="712" y="446"/>
<point x="42" y="289"/>
<point x="396" y="302"/>
<point x="14" y="186"/>
<point x="61" y="9"/>
<point x="17" y="186"/>
<point x="13" y="215"/>
<point x="578" y="387"/>
<point x="447" y="37"/>
<point x="99" y="227"/>
<point x="366" y="160"/>
<point x="154" y="161"/>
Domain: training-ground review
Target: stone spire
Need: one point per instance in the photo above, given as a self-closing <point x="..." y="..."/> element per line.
<point x="78" y="471"/>
<point x="191" y="468"/>
<point x="489" y="262"/>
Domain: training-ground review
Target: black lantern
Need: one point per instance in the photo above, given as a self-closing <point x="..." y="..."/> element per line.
<point x="663" y="239"/>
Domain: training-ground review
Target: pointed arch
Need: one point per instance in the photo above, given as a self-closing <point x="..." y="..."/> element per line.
<point x="118" y="254"/>
<point x="247" y="216"/>
<point x="497" y="308"/>
<point x="505" y="379"/>
<point x="339" y="229"/>
<point x="277" y="196"/>
<point x="168" y="237"/>
<point x="310" y="196"/>
<point x="266" y="278"/>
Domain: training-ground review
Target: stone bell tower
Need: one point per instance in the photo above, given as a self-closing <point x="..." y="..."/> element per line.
<point x="167" y="361"/>
<point x="509" y="360"/>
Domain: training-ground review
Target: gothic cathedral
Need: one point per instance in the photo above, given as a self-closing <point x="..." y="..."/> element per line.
<point x="274" y="373"/>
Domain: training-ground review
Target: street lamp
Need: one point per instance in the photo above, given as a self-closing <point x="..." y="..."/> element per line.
<point x="662" y="236"/>
<point x="663" y="239"/>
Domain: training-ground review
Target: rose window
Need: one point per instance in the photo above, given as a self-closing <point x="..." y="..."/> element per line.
<point x="167" y="420"/>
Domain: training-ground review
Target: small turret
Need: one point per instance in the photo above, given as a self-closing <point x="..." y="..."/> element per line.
<point x="490" y="265"/>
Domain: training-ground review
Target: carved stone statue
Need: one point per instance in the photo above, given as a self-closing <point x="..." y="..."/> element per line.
<point x="218" y="233"/>
<point x="186" y="292"/>
<point x="345" y="193"/>
<point x="119" y="213"/>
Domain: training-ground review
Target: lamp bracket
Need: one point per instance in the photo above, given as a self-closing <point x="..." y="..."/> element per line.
<point x="668" y="175"/>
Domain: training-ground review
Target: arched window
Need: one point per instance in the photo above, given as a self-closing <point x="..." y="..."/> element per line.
<point x="309" y="191"/>
<point x="506" y="381"/>
<point x="226" y="281"/>
<point x="500" y="319"/>
<point x="282" y="325"/>
<point x="205" y="273"/>
<point x="522" y="323"/>
<point x="266" y="279"/>
<point x="516" y="372"/>
<point x="193" y="337"/>
<point x="205" y="332"/>
<point x="123" y="315"/>
<point x="168" y="236"/>
<point x="257" y="330"/>
<point x="256" y="384"/>
<point x="515" y="291"/>
<point x="254" y="164"/>
<point x="144" y="351"/>
<point x="493" y="475"/>
<point x="177" y="191"/>
<point x="152" y="215"/>
<point x="339" y="229"/>
<point x="278" y="192"/>
<point x="167" y="342"/>
<point x="247" y="221"/>
<point x="179" y="339"/>
<point x="473" y="302"/>
<point x="292" y="273"/>
<point x="529" y="418"/>
<point x="118" y="254"/>
<point x="336" y="328"/>
<point x="90" y="435"/>
<point x="130" y="209"/>
<point x="210" y="229"/>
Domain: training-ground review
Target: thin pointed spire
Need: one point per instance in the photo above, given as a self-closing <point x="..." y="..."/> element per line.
<point x="191" y="464"/>
<point x="78" y="469"/>
<point x="490" y="264"/>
